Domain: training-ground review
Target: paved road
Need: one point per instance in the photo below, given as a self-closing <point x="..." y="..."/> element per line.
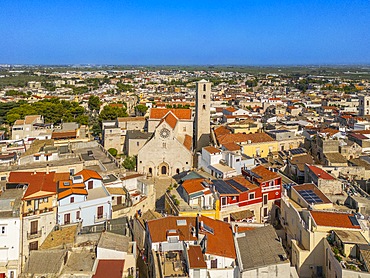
<point x="161" y="184"/>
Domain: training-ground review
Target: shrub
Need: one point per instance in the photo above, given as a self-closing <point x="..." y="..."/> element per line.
<point x="113" y="152"/>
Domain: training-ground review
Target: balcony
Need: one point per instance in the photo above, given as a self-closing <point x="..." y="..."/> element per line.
<point x="100" y="218"/>
<point x="33" y="235"/>
<point x="37" y="212"/>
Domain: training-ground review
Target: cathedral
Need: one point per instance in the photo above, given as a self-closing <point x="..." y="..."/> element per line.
<point x="176" y="135"/>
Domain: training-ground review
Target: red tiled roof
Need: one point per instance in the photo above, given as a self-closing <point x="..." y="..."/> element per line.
<point x="230" y="109"/>
<point x="221" y="130"/>
<point x="171" y="120"/>
<point x="231" y="146"/>
<point x="63" y="134"/>
<point x="219" y="243"/>
<point x="109" y="268"/>
<point x="159" y="113"/>
<point x="89" y="174"/>
<point x="240" y="137"/>
<point x="264" y="173"/>
<point x="212" y="150"/>
<point x="38" y="182"/>
<point x="196" y="257"/>
<point x="320" y="172"/>
<point x="188" y="141"/>
<point x="193" y="185"/>
<point x="333" y="219"/>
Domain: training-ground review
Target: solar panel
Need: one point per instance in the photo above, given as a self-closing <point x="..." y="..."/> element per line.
<point x="297" y="151"/>
<point x="223" y="188"/>
<point x="354" y="220"/>
<point x="237" y="185"/>
<point x="310" y="197"/>
<point x="208" y="229"/>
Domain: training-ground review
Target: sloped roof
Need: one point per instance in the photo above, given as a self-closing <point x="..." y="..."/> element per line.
<point x="241" y="137"/>
<point x="188" y="141"/>
<point x="212" y="150"/>
<point x="192" y="186"/>
<point x="320" y="172"/>
<point x="109" y="268"/>
<point x="219" y="243"/>
<point x="37" y="182"/>
<point x="159" y="113"/>
<point x="333" y="219"/>
<point x="196" y="257"/>
<point x="89" y="174"/>
<point x="264" y="173"/>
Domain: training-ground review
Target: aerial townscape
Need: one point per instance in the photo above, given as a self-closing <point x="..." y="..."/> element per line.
<point x="184" y="172"/>
<point x="188" y="139"/>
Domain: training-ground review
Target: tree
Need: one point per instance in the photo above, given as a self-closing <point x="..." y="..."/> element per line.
<point x="141" y="108"/>
<point x="113" y="152"/>
<point x="112" y="113"/>
<point x="94" y="103"/>
<point x="129" y="162"/>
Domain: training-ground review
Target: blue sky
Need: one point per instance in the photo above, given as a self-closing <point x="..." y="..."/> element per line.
<point x="245" y="32"/>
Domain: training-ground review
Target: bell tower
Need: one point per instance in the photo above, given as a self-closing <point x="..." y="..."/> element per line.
<point x="202" y="114"/>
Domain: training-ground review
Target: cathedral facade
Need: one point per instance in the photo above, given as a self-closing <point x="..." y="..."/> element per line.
<point x="170" y="149"/>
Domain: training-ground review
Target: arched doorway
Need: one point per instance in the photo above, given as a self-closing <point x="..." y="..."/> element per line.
<point x="150" y="171"/>
<point x="163" y="169"/>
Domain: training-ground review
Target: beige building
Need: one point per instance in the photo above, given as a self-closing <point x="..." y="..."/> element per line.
<point x="307" y="217"/>
<point x="169" y="150"/>
<point x="31" y="127"/>
<point x="202" y="114"/>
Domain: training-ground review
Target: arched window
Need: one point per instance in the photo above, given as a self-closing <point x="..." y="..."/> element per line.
<point x="204" y="96"/>
<point x="204" y="107"/>
<point x="204" y="87"/>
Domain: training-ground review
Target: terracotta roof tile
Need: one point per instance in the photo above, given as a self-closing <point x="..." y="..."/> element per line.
<point x="219" y="243"/>
<point x="89" y="174"/>
<point x="221" y="130"/>
<point x="240" y="137"/>
<point x="193" y="185"/>
<point x="171" y="120"/>
<point x="159" y="113"/>
<point x="320" y="172"/>
<point x="231" y="146"/>
<point x="38" y="182"/>
<point x="188" y="142"/>
<point x="63" y="134"/>
<point x="196" y="257"/>
<point x="264" y="173"/>
<point x="212" y="150"/>
<point x="333" y="219"/>
<point x="109" y="268"/>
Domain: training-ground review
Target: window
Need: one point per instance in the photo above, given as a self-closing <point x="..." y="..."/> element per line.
<point x="67" y="218"/>
<point x="34" y="227"/>
<point x="184" y="128"/>
<point x="204" y="107"/>
<point x="46" y="200"/>
<point x="252" y="196"/>
<point x="100" y="212"/>
<point x="2" y="230"/>
<point x="37" y="158"/>
<point x="265" y="199"/>
<point x="204" y="96"/>
<point x="204" y="87"/>
<point x="164" y="145"/>
<point x="29" y="203"/>
<point x="3" y="178"/>
<point x="90" y="185"/>
<point x="71" y="172"/>
<point x="34" y="245"/>
<point x="72" y="199"/>
<point x="265" y="212"/>
<point x="78" y="214"/>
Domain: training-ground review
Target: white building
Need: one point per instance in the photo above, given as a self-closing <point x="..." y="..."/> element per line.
<point x="84" y="199"/>
<point x="10" y="228"/>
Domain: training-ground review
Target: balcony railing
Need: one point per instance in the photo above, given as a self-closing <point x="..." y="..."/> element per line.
<point x="33" y="235"/>
<point x="37" y="212"/>
<point x="100" y="218"/>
